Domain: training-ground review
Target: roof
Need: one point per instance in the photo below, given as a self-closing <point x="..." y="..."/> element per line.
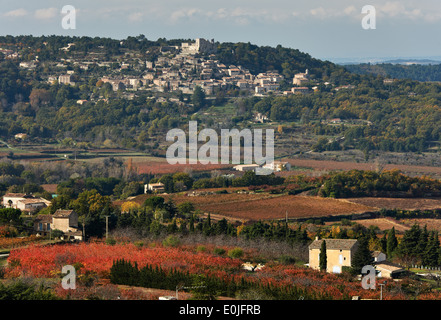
<point x="47" y="218"/>
<point x="17" y="195"/>
<point x="334" y="244"/>
<point x="63" y="213"/>
<point x="376" y="253"/>
<point x="28" y="201"/>
<point x="390" y="266"/>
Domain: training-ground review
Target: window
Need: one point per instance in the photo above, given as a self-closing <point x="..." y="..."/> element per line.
<point x="40" y="226"/>
<point x="48" y="227"/>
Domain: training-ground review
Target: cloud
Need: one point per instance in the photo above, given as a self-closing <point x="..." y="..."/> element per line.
<point x="136" y="17"/>
<point x="185" y="13"/>
<point x="45" y="14"/>
<point x="16" y="13"/>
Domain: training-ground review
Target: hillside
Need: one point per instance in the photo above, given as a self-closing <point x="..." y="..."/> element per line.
<point x="419" y="72"/>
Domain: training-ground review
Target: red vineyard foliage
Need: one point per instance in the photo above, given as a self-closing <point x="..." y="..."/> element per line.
<point x="97" y="258"/>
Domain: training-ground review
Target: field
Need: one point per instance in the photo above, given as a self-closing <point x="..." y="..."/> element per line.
<point x="432" y="224"/>
<point x="400" y="203"/>
<point x="384" y="224"/>
<point x="264" y="206"/>
<point x="98" y="258"/>
<point x="329" y="165"/>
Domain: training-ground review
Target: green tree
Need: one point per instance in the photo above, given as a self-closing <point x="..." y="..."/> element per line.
<point x="391" y="243"/>
<point x="198" y="98"/>
<point x="362" y="255"/>
<point x="323" y="260"/>
<point x="432" y="253"/>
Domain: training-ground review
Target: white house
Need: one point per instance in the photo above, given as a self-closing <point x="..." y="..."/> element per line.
<point x="246" y="167"/>
<point x="278" y="166"/>
<point x="154" y="187"/>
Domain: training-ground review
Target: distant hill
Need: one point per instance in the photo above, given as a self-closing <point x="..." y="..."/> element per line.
<point x="418" y="72"/>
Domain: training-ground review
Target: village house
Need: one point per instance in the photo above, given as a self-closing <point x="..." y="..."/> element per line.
<point x="32" y="205"/>
<point x="278" y="166"/>
<point x="387" y="269"/>
<point x="154" y="187"/>
<point x="301" y="78"/>
<point x="66" y="79"/>
<point x="65" y="221"/>
<point x="10" y="200"/>
<point x="339" y="254"/>
<point x="246" y="167"/>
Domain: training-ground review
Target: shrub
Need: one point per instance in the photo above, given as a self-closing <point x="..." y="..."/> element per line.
<point x="111" y="241"/>
<point x="171" y="241"/>
<point x="286" y="259"/>
<point x="201" y="249"/>
<point x="235" y="253"/>
<point x="219" y="251"/>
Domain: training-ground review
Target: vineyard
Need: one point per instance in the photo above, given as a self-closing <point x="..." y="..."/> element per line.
<point x="180" y="263"/>
<point x="264" y="206"/>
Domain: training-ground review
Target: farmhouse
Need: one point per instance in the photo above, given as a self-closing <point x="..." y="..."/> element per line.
<point x="387" y="269"/>
<point x="246" y="167"/>
<point x="63" y="220"/>
<point x="10" y="200"/>
<point x="154" y="187"/>
<point x="278" y="166"/>
<point x="339" y="253"/>
<point x="32" y="205"/>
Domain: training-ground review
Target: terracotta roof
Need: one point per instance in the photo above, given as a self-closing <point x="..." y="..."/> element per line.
<point x="333" y="244"/>
<point x="38" y="200"/>
<point x="43" y="218"/>
<point x="62" y="213"/>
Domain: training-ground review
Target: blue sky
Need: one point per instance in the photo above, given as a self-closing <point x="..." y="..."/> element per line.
<point x="325" y="29"/>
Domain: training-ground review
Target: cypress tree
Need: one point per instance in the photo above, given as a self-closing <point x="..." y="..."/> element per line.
<point x="431" y="254"/>
<point x="362" y="255"/>
<point x="391" y="243"/>
<point x="323" y="261"/>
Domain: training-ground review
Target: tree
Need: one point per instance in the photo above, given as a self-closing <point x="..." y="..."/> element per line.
<point x="323" y="260"/>
<point x="198" y="98"/>
<point x="391" y="243"/>
<point x="362" y="255"/>
<point x="432" y="253"/>
<point x="410" y="243"/>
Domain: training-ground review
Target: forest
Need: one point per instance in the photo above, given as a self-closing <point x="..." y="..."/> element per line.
<point x="419" y="72"/>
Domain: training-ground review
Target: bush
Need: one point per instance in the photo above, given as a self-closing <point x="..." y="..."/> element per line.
<point x="219" y="251"/>
<point x="286" y="259"/>
<point x="110" y="241"/>
<point x="235" y="253"/>
<point x="201" y="249"/>
<point x="171" y="241"/>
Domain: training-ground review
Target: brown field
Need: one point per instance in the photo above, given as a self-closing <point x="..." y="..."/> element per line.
<point x="384" y="224"/>
<point x="399" y="203"/>
<point x="264" y="206"/>
<point x="432" y="224"/>
<point x="324" y="165"/>
<point x="161" y="166"/>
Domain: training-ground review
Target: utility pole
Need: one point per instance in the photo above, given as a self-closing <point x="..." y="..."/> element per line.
<point x="84" y="230"/>
<point x="107" y="227"/>
<point x="381" y="290"/>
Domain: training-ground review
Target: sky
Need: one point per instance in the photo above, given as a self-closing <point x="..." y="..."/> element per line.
<point x="326" y="29"/>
